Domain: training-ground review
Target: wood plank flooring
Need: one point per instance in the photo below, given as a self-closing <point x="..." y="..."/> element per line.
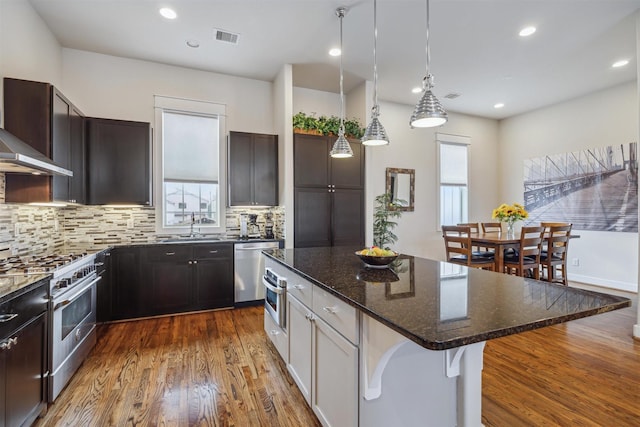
<point x="205" y="369"/>
<point x="219" y="369"/>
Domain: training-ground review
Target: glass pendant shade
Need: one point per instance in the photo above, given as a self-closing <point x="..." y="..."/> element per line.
<point x="428" y="112"/>
<point x="375" y="133"/>
<point x="341" y="147"/>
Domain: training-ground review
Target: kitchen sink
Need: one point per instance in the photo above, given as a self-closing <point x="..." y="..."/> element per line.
<point x="192" y="239"/>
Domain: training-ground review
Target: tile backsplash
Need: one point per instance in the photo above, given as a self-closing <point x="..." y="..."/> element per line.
<point x="27" y="229"/>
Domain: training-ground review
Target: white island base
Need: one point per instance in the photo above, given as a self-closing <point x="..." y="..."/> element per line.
<point x="404" y="384"/>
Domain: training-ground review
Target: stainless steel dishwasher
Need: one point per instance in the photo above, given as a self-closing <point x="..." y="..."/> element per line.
<point x="249" y="268"/>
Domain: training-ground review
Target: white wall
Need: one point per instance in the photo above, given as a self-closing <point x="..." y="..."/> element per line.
<point x="416" y="149"/>
<point x="317" y="102"/>
<point x="28" y="50"/>
<point x="122" y="88"/>
<point x="601" y="118"/>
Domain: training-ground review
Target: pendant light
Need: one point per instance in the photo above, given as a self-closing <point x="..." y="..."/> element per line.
<point x="375" y="133"/>
<point x="341" y="148"/>
<point x="428" y="112"/>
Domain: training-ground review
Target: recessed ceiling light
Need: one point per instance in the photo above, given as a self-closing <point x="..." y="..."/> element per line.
<point x="620" y="63"/>
<point x="193" y="43"/>
<point x="416" y="90"/>
<point x="168" y="13"/>
<point x="527" y="31"/>
<point x="335" y="51"/>
<point x="498" y="105"/>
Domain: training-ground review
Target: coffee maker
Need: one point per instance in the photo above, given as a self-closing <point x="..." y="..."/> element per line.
<point x="244" y="232"/>
<point x="253" y="230"/>
<point x="268" y="226"/>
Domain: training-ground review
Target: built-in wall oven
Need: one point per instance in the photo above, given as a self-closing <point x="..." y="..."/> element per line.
<point x="275" y="296"/>
<point x="73" y="321"/>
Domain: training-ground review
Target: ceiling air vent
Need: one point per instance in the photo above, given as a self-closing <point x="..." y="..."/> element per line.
<point x="452" y="95"/>
<point x="226" y="36"/>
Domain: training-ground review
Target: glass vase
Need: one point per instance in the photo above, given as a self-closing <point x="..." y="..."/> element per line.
<point x="510" y="231"/>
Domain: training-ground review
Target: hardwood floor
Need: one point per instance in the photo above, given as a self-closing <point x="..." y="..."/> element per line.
<point x="206" y="369"/>
<point x="218" y="369"/>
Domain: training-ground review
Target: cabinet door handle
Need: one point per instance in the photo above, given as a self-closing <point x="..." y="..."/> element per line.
<point x="331" y="310"/>
<point x="169" y="253"/>
<point x="310" y="317"/>
<point x="213" y="252"/>
<point x="298" y="287"/>
<point x="6" y="345"/>
<point x="274" y="332"/>
<point x="195" y="261"/>
<point x="190" y="262"/>
<point x="7" y="317"/>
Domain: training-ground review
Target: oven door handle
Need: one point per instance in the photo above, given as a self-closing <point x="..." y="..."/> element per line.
<point x="272" y="288"/>
<point x="70" y="299"/>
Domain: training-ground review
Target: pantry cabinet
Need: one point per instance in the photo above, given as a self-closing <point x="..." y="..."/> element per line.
<point x="328" y="194"/>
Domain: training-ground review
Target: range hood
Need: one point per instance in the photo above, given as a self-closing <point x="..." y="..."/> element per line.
<point x="19" y="157"/>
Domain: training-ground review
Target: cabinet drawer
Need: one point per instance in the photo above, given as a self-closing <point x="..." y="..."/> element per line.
<point x="338" y="314"/>
<point x="222" y="250"/>
<point x="300" y="288"/>
<point x="171" y="253"/>
<point x="277" y="336"/>
<point x="21" y="309"/>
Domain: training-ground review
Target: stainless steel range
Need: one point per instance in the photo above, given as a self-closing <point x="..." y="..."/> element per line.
<point x="72" y="309"/>
<point x="72" y="330"/>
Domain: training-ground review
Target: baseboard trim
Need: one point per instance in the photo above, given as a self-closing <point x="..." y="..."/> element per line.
<point x="598" y="281"/>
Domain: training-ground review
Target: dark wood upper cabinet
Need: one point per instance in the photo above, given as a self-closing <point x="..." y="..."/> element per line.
<point x="44" y="118"/>
<point x="118" y="162"/>
<point x="328" y="193"/>
<point x="253" y="169"/>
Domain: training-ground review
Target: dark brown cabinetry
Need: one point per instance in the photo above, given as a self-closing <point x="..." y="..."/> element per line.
<point x="125" y="285"/>
<point x="168" y="278"/>
<point x="328" y="194"/>
<point x="185" y="278"/>
<point x="44" y="118"/>
<point x="118" y="162"/>
<point x="23" y="340"/>
<point x="253" y="169"/>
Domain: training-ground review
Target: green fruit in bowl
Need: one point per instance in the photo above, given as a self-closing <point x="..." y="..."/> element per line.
<point x="376" y="251"/>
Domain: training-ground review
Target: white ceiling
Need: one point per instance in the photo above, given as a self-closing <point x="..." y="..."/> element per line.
<point x="475" y="48"/>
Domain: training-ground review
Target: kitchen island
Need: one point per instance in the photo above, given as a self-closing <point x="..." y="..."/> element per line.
<point x="422" y="326"/>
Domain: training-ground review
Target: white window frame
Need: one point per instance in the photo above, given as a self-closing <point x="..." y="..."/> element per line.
<point x="448" y="139"/>
<point x="189" y="106"/>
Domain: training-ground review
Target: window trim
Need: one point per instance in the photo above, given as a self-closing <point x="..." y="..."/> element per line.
<point x="449" y="139"/>
<point x="194" y="107"/>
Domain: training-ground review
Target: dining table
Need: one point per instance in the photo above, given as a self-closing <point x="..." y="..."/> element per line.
<point x="500" y="241"/>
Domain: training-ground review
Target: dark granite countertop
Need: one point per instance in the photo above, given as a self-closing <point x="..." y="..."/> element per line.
<point x="440" y="305"/>
<point x="13" y="286"/>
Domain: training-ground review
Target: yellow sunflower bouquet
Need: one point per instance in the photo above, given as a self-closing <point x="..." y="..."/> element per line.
<point x="510" y="213"/>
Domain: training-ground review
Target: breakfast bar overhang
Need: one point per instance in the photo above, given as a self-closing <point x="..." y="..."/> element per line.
<point x="423" y="325"/>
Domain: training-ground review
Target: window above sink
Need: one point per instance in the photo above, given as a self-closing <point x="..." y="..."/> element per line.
<point x="190" y="168"/>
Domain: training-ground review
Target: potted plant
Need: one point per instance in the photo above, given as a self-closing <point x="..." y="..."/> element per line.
<point x="383" y="223"/>
<point x="323" y="125"/>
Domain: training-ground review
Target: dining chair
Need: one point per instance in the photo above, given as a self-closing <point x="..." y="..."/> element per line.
<point x="527" y="258"/>
<point x="478" y="250"/>
<point x="488" y="227"/>
<point x="553" y="258"/>
<point x="457" y="242"/>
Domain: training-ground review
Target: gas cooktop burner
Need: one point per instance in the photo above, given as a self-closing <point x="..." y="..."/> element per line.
<point x="36" y="264"/>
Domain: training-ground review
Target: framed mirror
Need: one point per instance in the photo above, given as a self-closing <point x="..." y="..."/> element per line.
<point x="400" y="185"/>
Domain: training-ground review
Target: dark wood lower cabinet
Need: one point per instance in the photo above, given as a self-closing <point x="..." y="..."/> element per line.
<point x="23" y="358"/>
<point x="347" y="217"/>
<point x="165" y="279"/>
<point x="312" y="217"/>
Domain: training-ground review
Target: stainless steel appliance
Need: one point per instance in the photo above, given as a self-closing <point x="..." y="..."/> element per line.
<point x="275" y="296"/>
<point x="253" y="227"/>
<point x="72" y="332"/>
<point x="249" y="266"/>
